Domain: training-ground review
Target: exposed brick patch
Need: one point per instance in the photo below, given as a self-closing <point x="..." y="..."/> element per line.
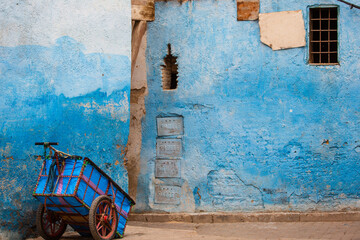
<point x="248" y="10"/>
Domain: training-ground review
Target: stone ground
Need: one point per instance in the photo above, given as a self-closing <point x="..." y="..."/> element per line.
<point x="240" y="231"/>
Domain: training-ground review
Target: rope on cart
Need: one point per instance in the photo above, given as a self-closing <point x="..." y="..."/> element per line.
<point x="51" y="177"/>
<point x="50" y="182"/>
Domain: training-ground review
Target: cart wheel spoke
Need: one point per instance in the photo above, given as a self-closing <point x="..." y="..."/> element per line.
<point x="110" y="210"/>
<point x="46" y="224"/>
<point x="111" y="213"/>
<point x="54" y="228"/>
<point x="107" y="226"/>
<point x="100" y="209"/>
<point x="104" y="232"/>
<point x="51" y="229"/>
<point x="98" y="225"/>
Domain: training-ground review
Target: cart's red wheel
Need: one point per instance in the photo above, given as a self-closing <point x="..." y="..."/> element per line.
<point x="103" y="218"/>
<point x="48" y="224"/>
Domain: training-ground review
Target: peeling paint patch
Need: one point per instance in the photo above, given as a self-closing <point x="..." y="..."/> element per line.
<point x="119" y="111"/>
<point x="197" y="196"/>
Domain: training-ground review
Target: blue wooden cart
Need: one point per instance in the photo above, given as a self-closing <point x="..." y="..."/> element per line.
<point x="74" y="191"/>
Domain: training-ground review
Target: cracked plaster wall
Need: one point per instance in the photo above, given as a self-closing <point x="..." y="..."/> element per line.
<point x="264" y="130"/>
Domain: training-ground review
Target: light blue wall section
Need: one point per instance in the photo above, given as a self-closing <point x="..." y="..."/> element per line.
<point x="60" y="93"/>
<point x="264" y="130"/>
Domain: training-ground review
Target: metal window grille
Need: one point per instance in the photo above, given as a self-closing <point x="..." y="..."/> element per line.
<point x="323" y="48"/>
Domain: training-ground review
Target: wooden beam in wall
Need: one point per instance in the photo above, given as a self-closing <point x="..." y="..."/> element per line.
<point x="143" y="10"/>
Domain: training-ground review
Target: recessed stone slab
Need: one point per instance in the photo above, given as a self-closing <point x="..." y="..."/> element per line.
<point x="167" y="194"/>
<point x="166" y="168"/>
<point x="247" y="9"/>
<point x="282" y="30"/>
<point x="168" y="148"/>
<point x="170" y="126"/>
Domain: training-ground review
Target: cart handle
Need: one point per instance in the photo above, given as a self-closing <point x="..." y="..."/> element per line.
<point x="46" y="143"/>
<point x="62" y="154"/>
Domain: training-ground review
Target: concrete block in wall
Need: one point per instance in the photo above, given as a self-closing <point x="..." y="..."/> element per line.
<point x="168" y="148"/>
<point x="282" y="30"/>
<point x="167" y="168"/>
<point x="170" y="126"/>
<point x="247" y="9"/>
<point x="167" y="194"/>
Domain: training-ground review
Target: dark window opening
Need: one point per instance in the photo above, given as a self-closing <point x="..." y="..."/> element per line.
<point x="169" y="71"/>
<point x="323" y="44"/>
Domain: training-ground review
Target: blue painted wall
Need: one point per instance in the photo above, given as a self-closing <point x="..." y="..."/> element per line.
<point x="63" y="92"/>
<point x="58" y="94"/>
<point x="264" y="130"/>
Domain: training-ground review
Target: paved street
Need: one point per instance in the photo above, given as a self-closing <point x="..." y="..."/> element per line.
<point x="241" y="231"/>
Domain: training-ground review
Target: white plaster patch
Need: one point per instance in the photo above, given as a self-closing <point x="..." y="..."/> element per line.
<point x="282" y="30"/>
<point x="102" y="26"/>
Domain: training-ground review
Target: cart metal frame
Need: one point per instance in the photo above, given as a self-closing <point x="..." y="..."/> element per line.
<point x="68" y="185"/>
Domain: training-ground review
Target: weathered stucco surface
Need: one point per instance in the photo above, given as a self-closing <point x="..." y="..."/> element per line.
<point x="282" y="30"/>
<point x="64" y="77"/>
<point x="263" y="129"/>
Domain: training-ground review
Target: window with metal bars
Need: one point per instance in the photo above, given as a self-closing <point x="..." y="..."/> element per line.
<point x="323" y="46"/>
